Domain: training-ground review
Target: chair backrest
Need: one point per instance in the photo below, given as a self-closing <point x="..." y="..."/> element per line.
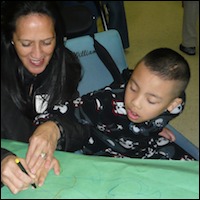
<point x="95" y="73"/>
<point x="78" y="20"/>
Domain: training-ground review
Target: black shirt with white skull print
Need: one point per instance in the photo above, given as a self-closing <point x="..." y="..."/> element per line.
<point x="115" y="135"/>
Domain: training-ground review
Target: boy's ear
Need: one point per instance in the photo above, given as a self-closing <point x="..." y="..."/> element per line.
<point x="174" y="104"/>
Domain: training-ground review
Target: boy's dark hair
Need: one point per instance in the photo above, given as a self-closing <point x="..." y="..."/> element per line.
<point x="168" y="65"/>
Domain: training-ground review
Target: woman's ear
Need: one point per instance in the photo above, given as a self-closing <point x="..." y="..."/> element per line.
<point x="174" y="104"/>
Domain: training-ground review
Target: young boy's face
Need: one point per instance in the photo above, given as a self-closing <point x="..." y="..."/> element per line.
<point x="147" y="95"/>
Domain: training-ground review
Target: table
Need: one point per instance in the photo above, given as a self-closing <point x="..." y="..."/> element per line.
<point x="93" y="177"/>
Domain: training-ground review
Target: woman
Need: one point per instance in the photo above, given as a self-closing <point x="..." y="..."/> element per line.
<point x="38" y="74"/>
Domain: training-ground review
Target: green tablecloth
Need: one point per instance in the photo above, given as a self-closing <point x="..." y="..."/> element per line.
<point x="91" y="177"/>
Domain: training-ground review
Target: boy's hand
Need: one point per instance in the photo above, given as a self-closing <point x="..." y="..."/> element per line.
<point x="166" y="133"/>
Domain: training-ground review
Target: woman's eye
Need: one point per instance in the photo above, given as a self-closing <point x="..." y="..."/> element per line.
<point x="46" y="43"/>
<point x="26" y="44"/>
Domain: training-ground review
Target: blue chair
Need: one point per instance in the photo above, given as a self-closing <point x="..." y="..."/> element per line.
<point x="96" y="75"/>
<point x="183" y="142"/>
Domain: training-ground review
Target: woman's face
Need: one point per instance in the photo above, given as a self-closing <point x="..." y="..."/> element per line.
<point x="34" y="41"/>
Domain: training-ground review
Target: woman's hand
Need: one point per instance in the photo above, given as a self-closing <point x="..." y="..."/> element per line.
<point x="42" y="145"/>
<point x="42" y="172"/>
<point x="166" y="133"/>
<point x="13" y="177"/>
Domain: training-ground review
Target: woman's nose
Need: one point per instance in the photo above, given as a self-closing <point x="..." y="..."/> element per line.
<point x="36" y="51"/>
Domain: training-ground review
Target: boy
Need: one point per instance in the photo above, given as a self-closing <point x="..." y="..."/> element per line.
<point x="129" y="120"/>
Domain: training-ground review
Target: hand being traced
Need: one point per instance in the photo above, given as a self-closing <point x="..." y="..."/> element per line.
<point x="42" y="172"/>
<point x="44" y="140"/>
